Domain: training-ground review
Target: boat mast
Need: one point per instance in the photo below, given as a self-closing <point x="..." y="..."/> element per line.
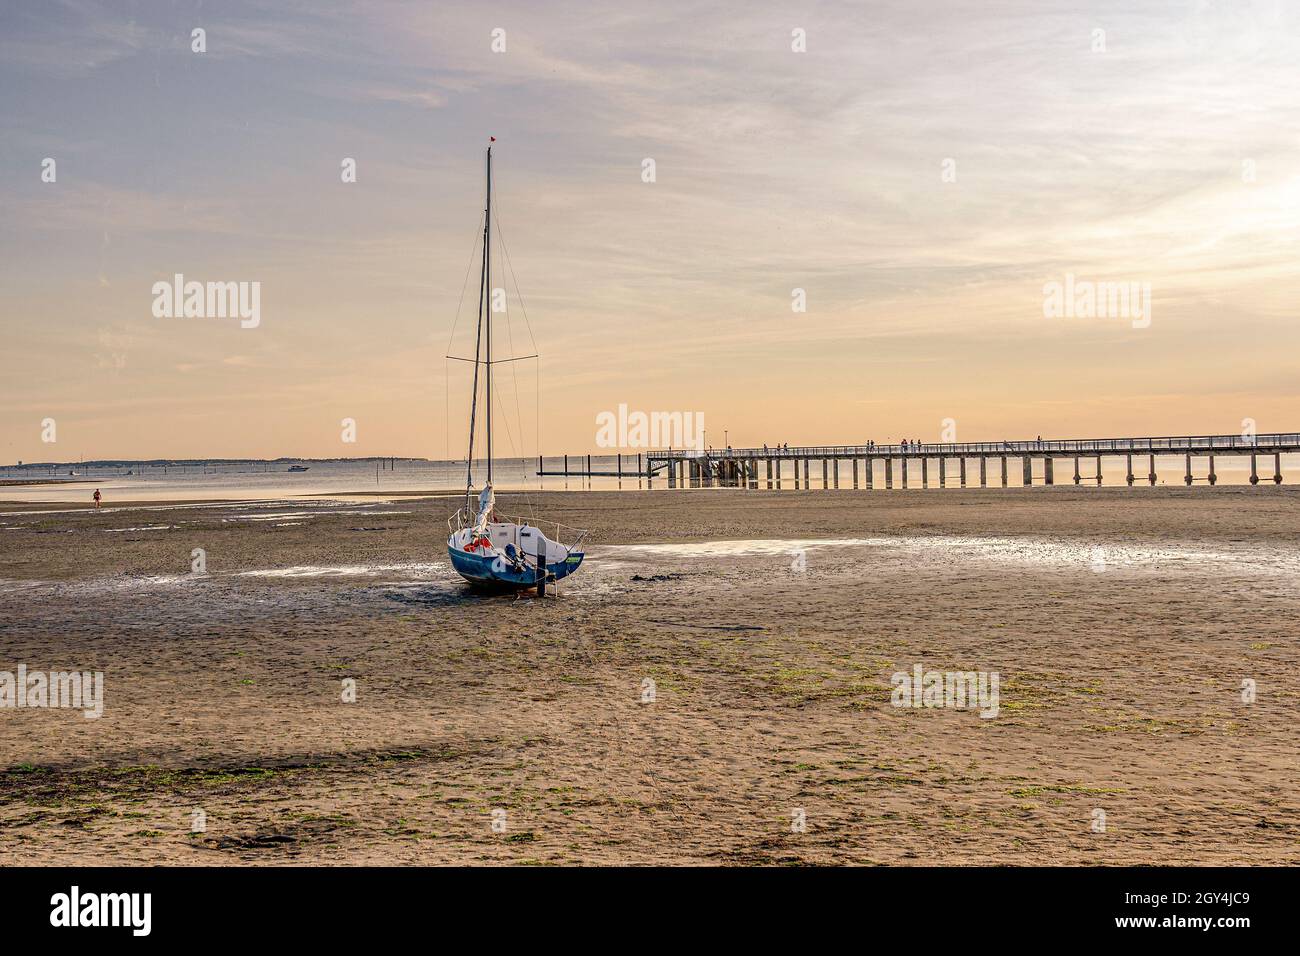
<point x="478" y="350"/>
<point x="487" y="286"/>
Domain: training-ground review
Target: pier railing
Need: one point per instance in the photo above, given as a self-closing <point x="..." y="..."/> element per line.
<point x="1197" y="444"/>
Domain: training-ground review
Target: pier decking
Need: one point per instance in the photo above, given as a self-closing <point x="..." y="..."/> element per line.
<point x="767" y="467"/>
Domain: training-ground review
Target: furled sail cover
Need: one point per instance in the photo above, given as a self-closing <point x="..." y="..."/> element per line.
<point x="487" y="500"/>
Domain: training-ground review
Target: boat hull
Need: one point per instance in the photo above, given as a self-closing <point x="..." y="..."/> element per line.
<point x="498" y="575"/>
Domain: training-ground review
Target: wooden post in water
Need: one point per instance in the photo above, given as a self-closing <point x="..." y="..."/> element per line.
<point x="1099" y="471"/>
<point x="1277" y="468"/>
<point x="984" y="482"/>
<point x="835" y="469"/>
<point x="1078" y="478"/>
<point x="943" y="472"/>
<point x="1004" y="471"/>
<point x="1129" y="460"/>
<point x="903" y="463"/>
<point x="1028" y="478"/>
<point x="807" y="484"/>
<point x="963" y="470"/>
<point x="1152" y="475"/>
<point x="1254" y="470"/>
<point x="871" y="473"/>
<point x="855" y="474"/>
<point x="769" y="474"/>
<point x="1187" y="479"/>
<point x="925" y="472"/>
<point x="889" y="472"/>
<point x="825" y="477"/>
<point x="1213" y="476"/>
<point x="1047" y="471"/>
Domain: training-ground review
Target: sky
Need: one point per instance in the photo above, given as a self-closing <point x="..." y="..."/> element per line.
<point x="922" y="171"/>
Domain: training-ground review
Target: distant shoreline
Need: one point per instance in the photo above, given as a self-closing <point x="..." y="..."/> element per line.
<point x="192" y="462"/>
<point x="20" y="482"/>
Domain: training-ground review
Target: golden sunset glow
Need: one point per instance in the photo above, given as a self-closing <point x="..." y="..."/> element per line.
<point x="920" y="193"/>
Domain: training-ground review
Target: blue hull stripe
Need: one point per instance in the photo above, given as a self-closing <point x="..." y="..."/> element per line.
<point x="478" y="569"/>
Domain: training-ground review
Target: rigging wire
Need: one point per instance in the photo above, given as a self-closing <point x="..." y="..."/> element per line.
<point x="537" y="405"/>
<point x="529" y="480"/>
<point x="469" y="264"/>
<point x="478" y="342"/>
<point x="514" y="376"/>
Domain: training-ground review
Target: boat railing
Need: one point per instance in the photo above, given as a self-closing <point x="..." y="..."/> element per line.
<point x="564" y="535"/>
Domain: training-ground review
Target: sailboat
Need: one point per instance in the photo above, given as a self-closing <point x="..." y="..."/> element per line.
<point x="490" y="550"/>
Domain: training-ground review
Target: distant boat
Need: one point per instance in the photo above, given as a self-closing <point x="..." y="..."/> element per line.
<point x="298" y="467"/>
<point x="488" y="550"/>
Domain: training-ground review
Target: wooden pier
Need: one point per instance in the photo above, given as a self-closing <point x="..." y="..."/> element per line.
<point x="887" y="466"/>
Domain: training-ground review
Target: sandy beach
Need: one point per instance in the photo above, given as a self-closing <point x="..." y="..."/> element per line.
<point x="1121" y="622"/>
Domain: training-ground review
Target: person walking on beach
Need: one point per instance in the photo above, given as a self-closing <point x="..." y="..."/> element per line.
<point x="96" y="496"/>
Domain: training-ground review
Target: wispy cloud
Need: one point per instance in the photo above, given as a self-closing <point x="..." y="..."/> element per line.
<point x="1164" y="157"/>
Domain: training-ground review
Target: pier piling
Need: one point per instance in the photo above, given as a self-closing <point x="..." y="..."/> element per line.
<point x="733" y="468"/>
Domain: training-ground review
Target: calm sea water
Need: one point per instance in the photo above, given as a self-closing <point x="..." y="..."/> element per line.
<point x="255" y="480"/>
<point x="251" y="481"/>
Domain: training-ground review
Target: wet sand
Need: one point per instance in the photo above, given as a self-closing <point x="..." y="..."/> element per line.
<point x="1122" y="623"/>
